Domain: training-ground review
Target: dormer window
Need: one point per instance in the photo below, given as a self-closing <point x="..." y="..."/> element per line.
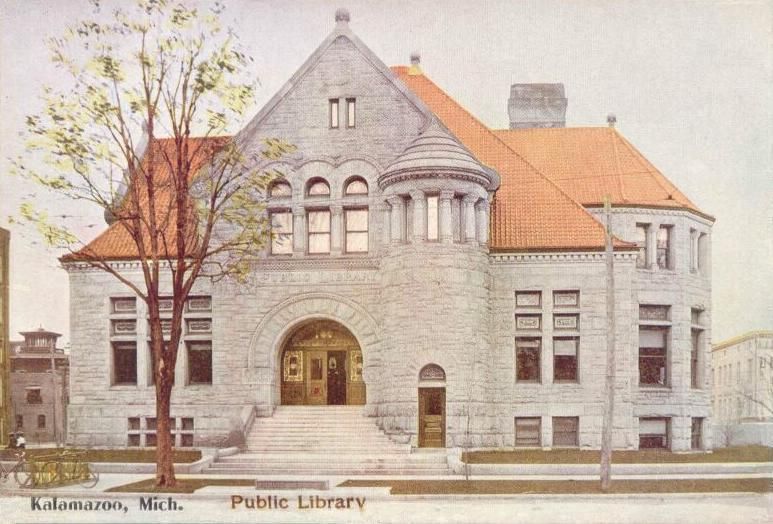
<point x="333" y="102"/>
<point x="280" y="189"/>
<point x="356" y="186"/>
<point x="318" y="188"/>
<point x="351" y="111"/>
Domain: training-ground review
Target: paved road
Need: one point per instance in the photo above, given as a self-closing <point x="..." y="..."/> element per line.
<point x="216" y="508"/>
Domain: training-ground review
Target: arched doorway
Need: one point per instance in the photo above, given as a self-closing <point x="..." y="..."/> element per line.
<point x="322" y="365"/>
<point x="432" y="407"/>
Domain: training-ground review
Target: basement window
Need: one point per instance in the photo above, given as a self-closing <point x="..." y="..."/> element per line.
<point x="527" y="432"/>
<point x="653" y="433"/>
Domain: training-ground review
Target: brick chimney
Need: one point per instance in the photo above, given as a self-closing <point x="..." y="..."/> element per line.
<point x="537" y="105"/>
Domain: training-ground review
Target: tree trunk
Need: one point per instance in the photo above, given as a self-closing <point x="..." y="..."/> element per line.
<point x="164" y="440"/>
<point x="609" y="385"/>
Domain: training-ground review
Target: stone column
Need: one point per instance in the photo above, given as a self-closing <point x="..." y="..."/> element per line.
<point x="445" y="224"/>
<point x="652" y="246"/>
<point x="384" y="212"/>
<point x="419" y="233"/>
<point x="481" y="222"/>
<point x="396" y="218"/>
<point x="336" y="230"/>
<point x="299" y="231"/>
<point x="468" y="218"/>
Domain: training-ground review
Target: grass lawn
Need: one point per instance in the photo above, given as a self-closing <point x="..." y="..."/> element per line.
<point x="181" y="456"/>
<point x="577" y="456"/>
<point x="183" y="485"/>
<point x="564" y="487"/>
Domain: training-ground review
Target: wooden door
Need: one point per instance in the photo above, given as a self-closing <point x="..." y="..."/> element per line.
<point x="316" y="378"/>
<point x="336" y="378"/>
<point x="432" y="417"/>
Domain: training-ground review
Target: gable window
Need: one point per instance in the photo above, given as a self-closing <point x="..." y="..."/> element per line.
<point x="319" y="231"/>
<point x="281" y="233"/>
<point x="432" y="217"/>
<point x="124" y="363"/>
<point x="318" y="188"/>
<point x="351" y="110"/>
<point x="527" y="359"/>
<point x="280" y="189"/>
<point x="199" y="362"/>
<point x="565" y="358"/>
<point x="664" y="247"/>
<point x="653" y="433"/>
<point x="356" y="187"/>
<point x="34" y="396"/>
<point x="527" y="432"/>
<point x="356" y="230"/>
<point x="641" y="242"/>
<point x="333" y="113"/>
<point x="565" y="430"/>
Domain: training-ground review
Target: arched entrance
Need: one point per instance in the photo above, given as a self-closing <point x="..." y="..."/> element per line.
<point x="432" y="407"/>
<point x="322" y="364"/>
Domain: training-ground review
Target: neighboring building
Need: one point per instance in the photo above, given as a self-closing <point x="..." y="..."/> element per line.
<point x="5" y="367"/>
<point x="449" y="277"/>
<point x="742" y="369"/>
<point x="39" y="383"/>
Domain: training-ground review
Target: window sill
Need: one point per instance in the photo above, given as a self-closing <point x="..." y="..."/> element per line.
<point x="528" y="382"/>
<point x="124" y="386"/>
<point x="654" y="387"/>
<point x="567" y="382"/>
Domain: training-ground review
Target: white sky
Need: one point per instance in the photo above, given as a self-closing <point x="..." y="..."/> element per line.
<point x="690" y="83"/>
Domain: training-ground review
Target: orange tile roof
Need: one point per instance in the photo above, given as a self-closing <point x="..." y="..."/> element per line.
<point x="589" y="163"/>
<point x="530" y="212"/>
<point x="116" y="242"/>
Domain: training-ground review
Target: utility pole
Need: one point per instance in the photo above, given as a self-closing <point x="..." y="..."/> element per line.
<point x="609" y="385"/>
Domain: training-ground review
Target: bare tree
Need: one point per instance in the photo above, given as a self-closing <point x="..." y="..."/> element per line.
<point x="189" y="208"/>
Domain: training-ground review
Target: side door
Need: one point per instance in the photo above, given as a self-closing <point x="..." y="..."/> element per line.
<point x="316" y="383"/>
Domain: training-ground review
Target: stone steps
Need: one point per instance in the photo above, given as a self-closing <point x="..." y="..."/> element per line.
<point x="325" y="440"/>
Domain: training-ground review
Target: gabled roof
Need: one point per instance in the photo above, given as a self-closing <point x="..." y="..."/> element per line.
<point x="115" y="243"/>
<point x="589" y="163"/>
<point x="530" y="212"/>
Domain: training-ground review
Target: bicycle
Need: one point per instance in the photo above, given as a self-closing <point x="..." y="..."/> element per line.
<point x="22" y="471"/>
<point x="69" y="466"/>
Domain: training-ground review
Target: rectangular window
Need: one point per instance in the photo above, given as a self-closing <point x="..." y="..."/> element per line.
<point x="133" y="440"/>
<point x="565" y="358"/>
<point x="41" y="422"/>
<point x="356" y="230"/>
<point x="124" y="363"/>
<point x="319" y="231"/>
<point x="199" y="362"/>
<point x="351" y="111"/>
<point x="134" y="423"/>
<point x="19" y="421"/>
<point x="565" y="431"/>
<point x="653" y="433"/>
<point x="640" y="240"/>
<point x="664" y="247"/>
<point x="703" y="252"/>
<point x="530" y="299"/>
<point x="150" y="440"/>
<point x="432" y="218"/>
<point x="333" y="102"/>
<point x="281" y="233"/>
<point x="528" y="432"/>
<point x="34" y="396"/>
<point x="652" y="355"/>
<point x="527" y="359"/>
<point x="695" y="352"/>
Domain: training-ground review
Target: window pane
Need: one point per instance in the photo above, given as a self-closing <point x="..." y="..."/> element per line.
<point x="319" y="188"/>
<point x="350" y="111"/>
<point x="527" y="359"/>
<point x="641" y="241"/>
<point x="527" y="431"/>
<point x="319" y="221"/>
<point x="319" y="243"/>
<point x="357" y="187"/>
<point x="565" y="431"/>
<point x="565" y="346"/>
<point x="432" y="218"/>
<point x="282" y="233"/>
<point x="652" y="338"/>
<point x="334" y="113"/>
<point x="664" y="241"/>
<point x="356" y="242"/>
<point x="356" y="219"/>
<point x="200" y="362"/>
<point x="281" y="189"/>
<point x="125" y="363"/>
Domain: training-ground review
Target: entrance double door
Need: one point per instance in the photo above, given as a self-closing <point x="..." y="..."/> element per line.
<point x="326" y="382"/>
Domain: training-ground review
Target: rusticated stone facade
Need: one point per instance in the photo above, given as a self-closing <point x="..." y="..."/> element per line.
<point x="514" y="336"/>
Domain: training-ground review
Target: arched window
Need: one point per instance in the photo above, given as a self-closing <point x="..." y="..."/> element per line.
<point x="280" y="189"/>
<point x="356" y="186"/>
<point x="318" y="187"/>
<point x="432" y="372"/>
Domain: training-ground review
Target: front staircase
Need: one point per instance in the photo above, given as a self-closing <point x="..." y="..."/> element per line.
<point x="326" y="440"/>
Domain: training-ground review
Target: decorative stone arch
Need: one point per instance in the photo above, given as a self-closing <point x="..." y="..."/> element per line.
<point x="271" y="333"/>
<point x="432" y="373"/>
